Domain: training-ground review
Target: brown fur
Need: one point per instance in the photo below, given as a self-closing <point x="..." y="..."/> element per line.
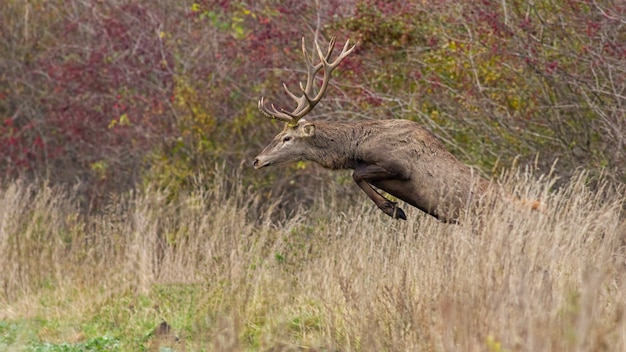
<point x="398" y="156"/>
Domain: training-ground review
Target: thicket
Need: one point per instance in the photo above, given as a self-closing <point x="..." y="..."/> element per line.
<point x="108" y="96"/>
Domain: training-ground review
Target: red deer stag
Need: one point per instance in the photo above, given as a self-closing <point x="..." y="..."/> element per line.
<point x="397" y="156"/>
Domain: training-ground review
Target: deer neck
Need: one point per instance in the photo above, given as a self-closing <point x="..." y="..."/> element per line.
<point x="332" y="145"/>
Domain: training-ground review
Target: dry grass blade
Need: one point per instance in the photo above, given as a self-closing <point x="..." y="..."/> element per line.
<point x="225" y="276"/>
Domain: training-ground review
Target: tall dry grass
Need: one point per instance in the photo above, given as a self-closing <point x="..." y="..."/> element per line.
<point x="337" y="276"/>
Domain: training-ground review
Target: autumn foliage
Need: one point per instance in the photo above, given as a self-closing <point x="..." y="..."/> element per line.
<point x="107" y="96"/>
<point x="131" y="217"/>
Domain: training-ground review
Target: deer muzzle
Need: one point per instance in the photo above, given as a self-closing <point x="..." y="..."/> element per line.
<point x="257" y="163"/>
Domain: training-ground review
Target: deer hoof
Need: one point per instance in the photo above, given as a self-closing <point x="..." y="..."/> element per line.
<point x="394" y="211"/>
<point x="399" y="214"/>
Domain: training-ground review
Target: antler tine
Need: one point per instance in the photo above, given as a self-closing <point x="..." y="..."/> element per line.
<point x="307" y="57"/>
<point x="291" y="95"/>
<point x="305" y="103"/>
<point x="344" y="52"/>
<point x="311" y="69"/>
<point x="329" y="67"/>
<point x="274" y="114"/>
<point x="331" y="47"/>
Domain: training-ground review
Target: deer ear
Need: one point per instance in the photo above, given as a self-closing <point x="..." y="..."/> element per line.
<point x="308" y="129"/>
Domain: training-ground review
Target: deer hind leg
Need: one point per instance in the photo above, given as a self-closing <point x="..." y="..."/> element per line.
<point x="364" y="174"/>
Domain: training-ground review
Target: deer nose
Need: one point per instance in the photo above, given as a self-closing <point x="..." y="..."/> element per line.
<point x="257" y="163"/>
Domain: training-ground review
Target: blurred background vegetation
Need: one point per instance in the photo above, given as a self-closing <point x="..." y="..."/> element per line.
<point x="110" y="96"/>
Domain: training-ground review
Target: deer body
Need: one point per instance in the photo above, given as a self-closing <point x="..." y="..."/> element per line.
<point x="397" y="156"/>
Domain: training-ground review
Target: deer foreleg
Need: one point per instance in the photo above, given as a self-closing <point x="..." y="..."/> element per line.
<point x="364" y="174"/>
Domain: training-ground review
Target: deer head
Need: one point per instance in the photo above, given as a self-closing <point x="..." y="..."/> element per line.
<point x="283" y="147"/>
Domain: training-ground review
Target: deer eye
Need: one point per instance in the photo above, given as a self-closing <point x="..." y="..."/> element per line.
<point x="286" y="139"/>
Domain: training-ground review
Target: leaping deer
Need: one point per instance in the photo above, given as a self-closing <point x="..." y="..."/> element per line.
<point x="397" y="156"/>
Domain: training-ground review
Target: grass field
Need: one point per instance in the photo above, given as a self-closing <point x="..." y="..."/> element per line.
<point x="220" y="269"/>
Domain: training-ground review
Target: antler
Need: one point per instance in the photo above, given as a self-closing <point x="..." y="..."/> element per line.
<point x="307" y="101"/>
